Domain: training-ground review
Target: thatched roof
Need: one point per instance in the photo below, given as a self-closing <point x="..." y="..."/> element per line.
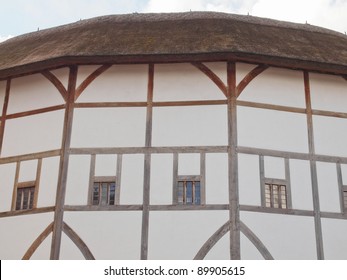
<point x="203" y="36"/>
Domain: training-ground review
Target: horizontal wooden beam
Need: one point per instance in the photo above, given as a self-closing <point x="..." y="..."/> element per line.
<point x="35" y="112"/>
<point x="52" y="153"/>
<point x="27" y="212"/>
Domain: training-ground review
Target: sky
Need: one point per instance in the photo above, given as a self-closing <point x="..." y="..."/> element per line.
<point x="22" y="16"/>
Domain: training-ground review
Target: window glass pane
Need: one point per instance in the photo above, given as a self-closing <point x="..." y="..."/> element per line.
<point x="96" y="194"/>
<point x="19" y="199"/>
<point x="180" y="192"/>
<point x="189" y="192"/>
<point x="197" y="196"/>
<point x="25" y="198"/>
<point x="112" y="193"/>
<point x="104" y="195"/>
<point x="31" y="198"/>
<point x="267" y="196"/>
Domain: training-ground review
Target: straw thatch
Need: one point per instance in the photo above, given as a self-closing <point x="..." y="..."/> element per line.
<point x="190" y="36"/>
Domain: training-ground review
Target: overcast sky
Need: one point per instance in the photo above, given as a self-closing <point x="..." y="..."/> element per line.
<point x="23" y="16"/>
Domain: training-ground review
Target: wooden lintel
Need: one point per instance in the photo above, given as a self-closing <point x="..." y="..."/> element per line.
<point x="90" y="79"/>
<point x="55" y="81"/>
<point x="209" y="73"/>
<point x="249" y="77"/>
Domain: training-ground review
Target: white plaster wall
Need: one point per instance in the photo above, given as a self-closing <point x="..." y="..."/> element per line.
<point x="344" y="173"/>
<point x="78" y="180"/>
<point x="84" y="71"/>
<point x="248" y="250"/>
<point x="330" y="136"/>
<point x="180" y="234"/>
<point x="189" y="164"/>
<point x="161" y="179"/>
<point x="285" y="236"/>
<point x="249" y="180"/>
<point x="218" y="68"/>
<point x="68" y="249"/>
<point x="300" y="184"/>
<point x="190" y="126"/>
<point x="220" y="251"/>
<point x="32" y="92"/>
<point x="7" y="175"/>
<point x="108" y="235"/>
<point x="44" y="250"/>
<point x="109" y="127"/>
<point x="63" y="75"/>
<point x="274" y="167"/>
<point x="27" y="171"/>
<point x="242" y="69"/>
<point x="106" y="165"/>
<point x="48" y="182"/>
<point x="273" y="86"/>
<point x="132" y="179"/>
<point x="33" y="134"/>
<point x="217" y="189"/>
<point x="183" y="81"/>
<point x="119" y="83"/>
<point x="334" y="239"/>
<point x="271" y="129"/>
<point x="19" y="232"/>
<point x="328" y="92"/>
<point x="329" y="198"/>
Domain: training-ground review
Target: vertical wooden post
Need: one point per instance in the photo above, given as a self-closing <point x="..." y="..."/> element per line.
<point x="234" y="214"/>
<point x="147" y="166"/>
<point x="4" y="112"/>
<point x="63" y="166"/>
<point x="313" y="166"/>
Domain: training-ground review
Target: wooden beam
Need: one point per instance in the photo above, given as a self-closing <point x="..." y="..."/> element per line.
<point x="109" y="104"/>
<point x="27" y="212"/>
<point x="270" y="107"/>
<point x="63" y="166"/>
<point x="90" y="79"/>
<point x="55" y="81"/>
<point x="209" y="73"/>
<point x="249" y="77"/>
<point x="313" y="166"/>
<point x="4" y="112"/>
<point x="39" y="155"/>
<point x="35" y="112"/>
<point x="234" y="214"/>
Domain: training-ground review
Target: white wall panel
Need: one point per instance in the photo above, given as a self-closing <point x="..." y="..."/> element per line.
<point x="334" y="239"/>
<point x="78" y="180"/>
<point x="275" y="86"/>
<point x="108" y="235"/>
<point x="33" y="134"/>
<point x="32" y="92"/>
<point x="19" y="232"/>
<point x="183" y="81"/>
<point x="328" y="92"/>
<point x="161" y="178"/>
<point x="217" y="188"/>
<point x="218" y="68"/>
<point x="190" y="126"/>
<point x="68" y="249"/>
<point x="28" y="170"/>
<point x="274" y="168"/>
<point x="189" y="164"/>
<point x="132" y="179"/>
<point x="7" y="177"/>
<point x="111" y="127"/>
<point x="179" y="235"/>
<point x="44" y="250"/>
<point x="300" y="180"/>
<point x="270" y="129"/>
<point x="106" y="165"/>
<point x="220" y="251"/>
<point x="84" y="71"/>
<point x="119" y="83"/>
<point x="249" y="180"/>
<point x="330" y="136"/>
<point x="48" y="182"/>
<point x="285" y="236"/>
<point x="329" y="198"/>
<point x="248" y="250"/>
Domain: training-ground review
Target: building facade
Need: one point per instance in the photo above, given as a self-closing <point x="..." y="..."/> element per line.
<point x="174" y="136"/>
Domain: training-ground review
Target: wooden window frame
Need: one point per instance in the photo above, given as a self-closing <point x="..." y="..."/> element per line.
<point x="272" y="203"/>
<point x="105" y="180"/>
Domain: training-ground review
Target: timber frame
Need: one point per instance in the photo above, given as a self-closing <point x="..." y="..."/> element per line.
<point x="231" y="91"/>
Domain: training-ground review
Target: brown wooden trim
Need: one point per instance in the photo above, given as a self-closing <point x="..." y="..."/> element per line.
<point x="14" y="192"/>
<point x="249" y="77"/>
<point x="37" y="182"/>
<point x="27" y="212"/>
<point x="4" y="112"/>
<point x="122" y="207"/>
<point x="184" y="207"/>
<point x="27" y="184"/>
<point x="262" y="180"/>
<point x="38" y="241"/>
<point x="118" y="178"/>
<point x="63" y="166"/>
<point x="35" y="112"/>
<point x="340" y="185"/>
<point x="91" y="179"/>
<point x="329" y="215"/>
<point x="78" y="242"/>
<point x="270" y="107"/>
<point x="47" y="154"/>
<point x="109" y="104"/>
<point x="55" y="81"/>
<point x="234" y="214"/>
<point x="261" y="209"/>
<point x="189" y="103"/>
<point x="329" y="114"/>
<point x="209" y="73"/>
<point x="90" y="79"/>
<point x="313" y="167"/>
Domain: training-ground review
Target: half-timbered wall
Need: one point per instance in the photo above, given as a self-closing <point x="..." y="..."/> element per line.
<point x="234" y="127"/>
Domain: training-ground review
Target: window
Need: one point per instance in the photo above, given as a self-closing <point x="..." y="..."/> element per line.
<point x="104" y="193"/>
<point x="344" y="192"/>
<point x="275" y="196"/>
<point x="25" y="197"/>
<point x="188" y="192"/>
